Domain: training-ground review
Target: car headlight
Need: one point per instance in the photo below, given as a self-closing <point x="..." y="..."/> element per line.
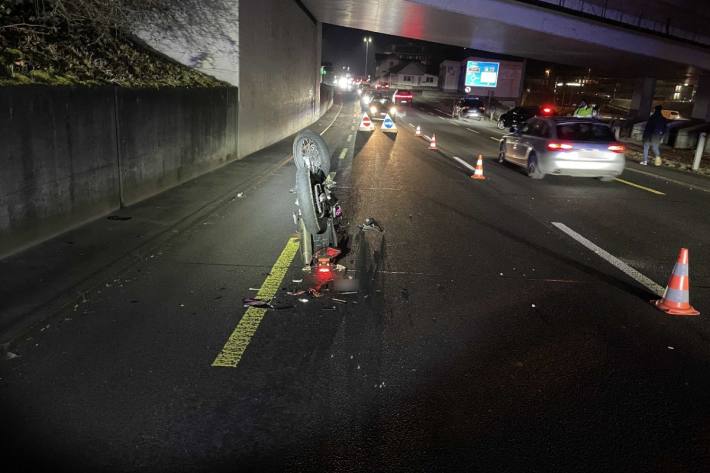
<point x="373" y="109"/>
<point x="393" y="111"/>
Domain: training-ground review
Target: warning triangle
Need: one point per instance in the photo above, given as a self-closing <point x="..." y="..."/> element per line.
<point x="388" y="125"/>
<point x="366" y="124"/>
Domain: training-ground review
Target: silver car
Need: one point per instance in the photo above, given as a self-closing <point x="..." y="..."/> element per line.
<point x="564" y="146"/>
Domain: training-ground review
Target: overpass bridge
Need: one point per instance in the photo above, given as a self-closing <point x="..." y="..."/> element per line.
<point x="648" y="41"/>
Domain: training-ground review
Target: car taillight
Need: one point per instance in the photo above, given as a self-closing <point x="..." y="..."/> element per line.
<point x="554" y="146"/>
<point x="617" y="148"/>
<point x="547" y="110"/>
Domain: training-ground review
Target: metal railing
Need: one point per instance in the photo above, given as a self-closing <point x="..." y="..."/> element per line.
<point x="649" y="16"/>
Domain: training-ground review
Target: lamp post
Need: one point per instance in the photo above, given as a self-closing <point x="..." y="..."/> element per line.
<point x="367" y="40"/>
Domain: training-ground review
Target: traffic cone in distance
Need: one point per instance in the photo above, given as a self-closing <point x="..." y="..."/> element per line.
<point x="676" y="297"/>
<point x="478" y="174"/>
<point x="432" y="143"/>
<point x="419" y="131"/>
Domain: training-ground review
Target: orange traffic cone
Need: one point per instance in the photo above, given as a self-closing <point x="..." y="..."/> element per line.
<point x="676" y="297"/>
<point x="419" y="131"/>
<point x="478" y="174"/>
<point x="432" y="143"/>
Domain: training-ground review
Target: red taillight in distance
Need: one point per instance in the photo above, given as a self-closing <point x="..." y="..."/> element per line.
<point x="547" y="110"/>
<point x="556" y="146"/>
<point x="616" y="148"/>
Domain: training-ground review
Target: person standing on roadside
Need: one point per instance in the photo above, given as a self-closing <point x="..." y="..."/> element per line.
<point x="656" y="128"/>
<point x="583" y="110"/>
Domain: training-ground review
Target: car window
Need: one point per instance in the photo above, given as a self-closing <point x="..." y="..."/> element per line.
<point x="470" y="103"/>
<point x="584" y="131"/>
<point x="544" y="130"/>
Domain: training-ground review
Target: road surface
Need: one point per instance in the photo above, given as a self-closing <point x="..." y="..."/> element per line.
<point x="482" y="336"/>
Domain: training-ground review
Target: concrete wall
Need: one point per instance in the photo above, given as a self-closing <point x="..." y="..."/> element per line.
<point x="209" y="42"/>
<point x="68" y="154"/>
<point x="169" y="137"/>
<point x="279" y="49"/>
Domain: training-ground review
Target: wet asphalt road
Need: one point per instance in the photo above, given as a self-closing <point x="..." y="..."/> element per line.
<point x="482" y="338"/>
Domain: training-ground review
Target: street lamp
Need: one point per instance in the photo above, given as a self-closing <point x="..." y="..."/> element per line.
<point x="367" y="40"/>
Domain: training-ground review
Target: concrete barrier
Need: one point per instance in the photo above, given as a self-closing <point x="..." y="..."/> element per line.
<point x="171" y="136"/>
<point x="70" y="155"/>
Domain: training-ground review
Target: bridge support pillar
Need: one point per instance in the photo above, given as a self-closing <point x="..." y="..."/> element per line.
<point x="642" y="98"/>
<point x="701" y="101"/>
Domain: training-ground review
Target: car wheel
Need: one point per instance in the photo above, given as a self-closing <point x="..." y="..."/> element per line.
<point x="311" y="152"/>
<point x="607" y="178"/>
<point x="501" y="125"/>
<point x="501" y="153"/>
<point x="314" y="221"/>
<point x="533" y="167"/>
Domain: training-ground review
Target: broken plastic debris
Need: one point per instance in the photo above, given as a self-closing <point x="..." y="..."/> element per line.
<point x="340" y="267"/>
<point x="296" y="293"/>
<point x="339" y="300"/>
<point x="256" y="302"/>
<point x="297" y="280"/>
<point x="532" y="305"/>
<point x="304" y="300"/>
<point x="240" y="195"/>
<point x="254" y="289"/>
<point x="10" y="355"/>
<point x="671" y="348"/>
<point x="371" y="224"/>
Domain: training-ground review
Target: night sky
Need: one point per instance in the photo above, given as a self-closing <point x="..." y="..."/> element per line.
<point x="344" y="47"/>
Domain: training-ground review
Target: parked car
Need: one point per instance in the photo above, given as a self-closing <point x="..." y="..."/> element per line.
<point x="470" y="108"/>
<point x="380" y="105"/>
<point x="519" y="115"/>
<point x="402" y="97"/>
<point x="564" y="146"/>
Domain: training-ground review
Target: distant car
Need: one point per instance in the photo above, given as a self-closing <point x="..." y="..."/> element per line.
<point x="402" y="97"/>
<point x="469" y="108"/>
<point x="564" y="146"/>
<point x="380" y="105"/>
<point x="519" y="115"/>
<point x="382" y="85"/>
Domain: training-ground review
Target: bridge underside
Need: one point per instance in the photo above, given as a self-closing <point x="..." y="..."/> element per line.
<point x="518" y="29"/>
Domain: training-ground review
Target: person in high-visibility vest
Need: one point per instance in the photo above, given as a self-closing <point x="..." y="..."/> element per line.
<point x="584" y="110"/>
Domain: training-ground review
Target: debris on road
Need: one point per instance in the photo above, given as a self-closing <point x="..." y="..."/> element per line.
<point x="371" y="224"/>
<point x="340" y="268"/>
<point x="297" y="280"/>
<point x="296" y="293"/>
<point x="303" y="299"/>
<point x="256" y="302"/>
<point x="339" y="300"/>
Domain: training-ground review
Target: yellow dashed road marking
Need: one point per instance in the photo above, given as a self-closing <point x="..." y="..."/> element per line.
<point x="647" y="189"/>
<point x="238" y="341"/>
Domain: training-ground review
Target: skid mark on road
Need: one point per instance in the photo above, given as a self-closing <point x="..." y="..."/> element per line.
<point x="638" y="186"/>
<point x="616" y="262"/>
<point x="238" y="341"/>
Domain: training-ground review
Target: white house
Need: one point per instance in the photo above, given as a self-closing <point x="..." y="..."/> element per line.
<point x="410" y="75"/>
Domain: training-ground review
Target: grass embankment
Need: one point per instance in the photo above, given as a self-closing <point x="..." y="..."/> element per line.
<point x="55" y="54"/>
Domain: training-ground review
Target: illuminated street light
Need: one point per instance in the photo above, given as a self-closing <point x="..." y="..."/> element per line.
<point x="367" y="40"/>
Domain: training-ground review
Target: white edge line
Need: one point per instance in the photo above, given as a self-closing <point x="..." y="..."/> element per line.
<point x="464" y="163"/>
<point x="331" y="123"/>
<point x="613" y="260"/>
